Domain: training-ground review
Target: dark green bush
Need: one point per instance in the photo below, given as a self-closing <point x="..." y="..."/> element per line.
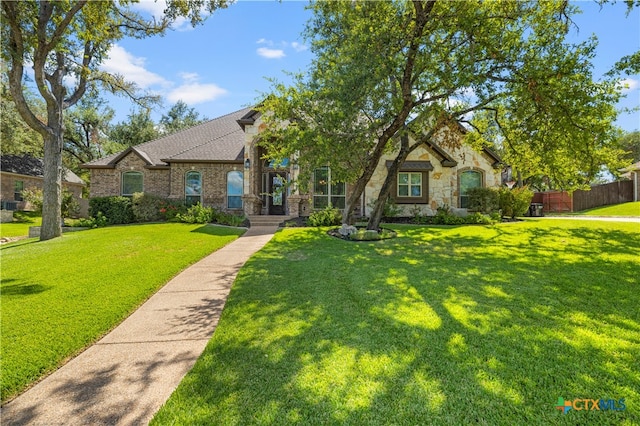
<point x="326" y="217"/>
<point x="149" y="208"/>
<point x="483" y="200"/>
<point x="116" y="210"/>
<point x="515" y="202"/>
<point x="230" y="219"/>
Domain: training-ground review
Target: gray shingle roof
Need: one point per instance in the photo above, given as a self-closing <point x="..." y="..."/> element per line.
<point x="220" y="139"/>
<point x="30" y="166"/>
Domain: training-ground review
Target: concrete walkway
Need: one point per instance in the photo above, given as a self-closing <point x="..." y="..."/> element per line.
<point x="125" y="377"/>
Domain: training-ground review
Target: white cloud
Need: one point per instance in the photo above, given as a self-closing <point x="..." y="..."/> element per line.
<point x="298" y="47"/>
<point x="192" y="92"/>
<point x="629" y="84"/>
<point x="265" y="52"/>
<point x="156" y="9"/>
<point x="132" y="68"/>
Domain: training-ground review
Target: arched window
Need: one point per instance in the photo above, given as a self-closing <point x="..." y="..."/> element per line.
<point x="468" y="179"/>
<point x="234" y="189"/>
<point x="193" y="188"/>
<point x="132" y="182"/>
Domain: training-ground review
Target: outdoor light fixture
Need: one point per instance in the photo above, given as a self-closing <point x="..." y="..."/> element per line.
<point x="247" y="164"/>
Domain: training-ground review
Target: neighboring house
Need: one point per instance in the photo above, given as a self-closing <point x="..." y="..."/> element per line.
<point x="20" y="172"/>
<point x="219" y="163"/>
<point x="633" y="173"/>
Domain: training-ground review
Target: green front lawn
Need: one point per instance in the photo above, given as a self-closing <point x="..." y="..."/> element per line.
<point x="624" y="209"/>
<point x="442" y="326"/>
<point x="61" y="295"/>
<point x="20" y="225"/>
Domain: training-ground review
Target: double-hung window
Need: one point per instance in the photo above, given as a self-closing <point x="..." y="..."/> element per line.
<point x="411" y="184"/>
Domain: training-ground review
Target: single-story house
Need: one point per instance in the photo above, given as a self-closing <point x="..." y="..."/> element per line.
<point x="20" y="172"/>
<point x="219" y="163"/>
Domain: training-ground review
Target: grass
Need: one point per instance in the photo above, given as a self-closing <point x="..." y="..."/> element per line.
<point x="61" y="295"/>
<point x="625" y="209"/>
<point x="442" y="326"/>
<point x="20" y="225"/>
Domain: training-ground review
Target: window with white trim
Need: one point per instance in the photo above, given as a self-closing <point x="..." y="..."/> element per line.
<point x="409" y="184"/>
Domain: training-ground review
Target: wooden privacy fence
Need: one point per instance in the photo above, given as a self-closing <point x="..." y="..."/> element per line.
<point x="599" y="195"/>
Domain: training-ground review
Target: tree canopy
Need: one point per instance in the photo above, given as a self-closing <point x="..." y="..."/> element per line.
<point x="504" y="70"/>
<point x="64" y="43"/>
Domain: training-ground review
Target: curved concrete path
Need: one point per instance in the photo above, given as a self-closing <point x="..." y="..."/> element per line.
<point x="125" y="377"/>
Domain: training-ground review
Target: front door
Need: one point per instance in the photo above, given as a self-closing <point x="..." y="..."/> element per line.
<point x="277" y="193"/>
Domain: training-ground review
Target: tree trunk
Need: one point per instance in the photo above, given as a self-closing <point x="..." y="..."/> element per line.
<point x="52" y="188"/>
<point x="385" y="190"/>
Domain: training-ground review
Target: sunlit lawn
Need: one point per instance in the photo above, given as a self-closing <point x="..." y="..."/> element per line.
<point x="624" y="209"/>
<point x="61" y="295"/>
<point x="20" y="225"/>
<point x="441" y="326"/>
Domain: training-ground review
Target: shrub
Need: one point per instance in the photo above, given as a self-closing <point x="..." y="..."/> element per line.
<point x="326" y="217"/>
<point x="93" y="222"/>
<point x="69" y="206"/>
<point x="391" y="209"/>
<point x="483" y="200"/>
<point x="197" y="213"/>
<point x="33" y="196"/>
<point x="170" y="209"/>
<point x="146" y="207"/>
<point x="116" y="210"/>
<point x="444" y="216"/>
<point x="230" y="219"/>
<point x="514" y="202"/>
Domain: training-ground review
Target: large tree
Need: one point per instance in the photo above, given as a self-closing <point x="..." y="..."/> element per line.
<point x="179" y="117"/>
<point x="138" y="128"/>
<point x="64" y="42"/>
<point x="385" y="69"/>
<point x="86" y="131"/>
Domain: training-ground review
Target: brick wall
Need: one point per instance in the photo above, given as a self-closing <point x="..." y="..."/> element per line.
<point x="166" y="182"/>
<point x="8" y="184"/>
<point x="214" y="181"/>
<point x="108" y="182"/>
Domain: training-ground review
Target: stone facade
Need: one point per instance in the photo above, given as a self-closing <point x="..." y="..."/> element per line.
<point x="442" y="181"/>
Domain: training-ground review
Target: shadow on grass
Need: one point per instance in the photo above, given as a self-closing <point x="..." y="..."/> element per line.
<point x="438" y="326"/>
<point x="9" y="289"/>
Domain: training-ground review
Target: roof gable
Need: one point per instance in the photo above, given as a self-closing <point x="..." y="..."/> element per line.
<point x="219" y="139"/>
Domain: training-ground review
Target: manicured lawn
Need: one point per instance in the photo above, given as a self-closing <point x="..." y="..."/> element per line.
<point x="61" y="295"/>
<point x="624" y="209"/>
<point x="21" y="223"/>
<point x="440" y="326"/>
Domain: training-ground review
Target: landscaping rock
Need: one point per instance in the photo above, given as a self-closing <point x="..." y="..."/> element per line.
<point x="347" y="230"/>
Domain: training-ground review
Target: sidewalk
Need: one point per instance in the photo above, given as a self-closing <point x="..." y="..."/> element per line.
<point x="125" y="377"/>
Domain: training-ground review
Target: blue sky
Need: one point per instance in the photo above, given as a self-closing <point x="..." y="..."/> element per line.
<point x="223" y="65"/>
